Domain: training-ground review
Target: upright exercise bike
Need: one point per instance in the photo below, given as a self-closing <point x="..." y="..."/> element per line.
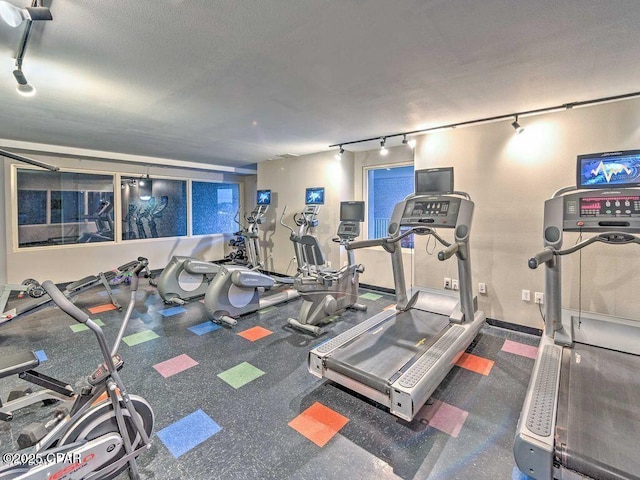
<point x="186" y="278"/>
<point x="326" y="291"/>
<point x="238" y="290"/>
<point x="107" y="428"/>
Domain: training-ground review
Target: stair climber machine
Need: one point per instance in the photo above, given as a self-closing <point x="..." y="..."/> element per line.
<point x="325" y="291"/>
<point x="186" y="278"/>
<point x="399" y="357"/>
<point x="581" y="414"/>
<point x="238" y="290"/>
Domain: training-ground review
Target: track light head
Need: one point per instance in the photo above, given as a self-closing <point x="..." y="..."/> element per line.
<point x="14" y="16"/>
<point x="383" y="148"/>
<point x="24" y="88"/>
<point x="339" y="154"/>
<point x="517" y="127"/>
<point x="410" y="142"/>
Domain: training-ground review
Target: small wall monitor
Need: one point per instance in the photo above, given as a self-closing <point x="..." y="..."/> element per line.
<point x="314" y="196"/>
<point x="609" y="170"/>
<point x="264" y="197"/>
<point x="352" y="211"/>
<point x="434" y="180"/>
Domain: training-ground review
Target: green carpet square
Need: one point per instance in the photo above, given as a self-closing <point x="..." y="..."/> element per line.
<point x="241" y="375"/>
<point x="371" y="296"/>
<point x="267" y="310"/>
<point x="81" y="327"/>
<point x="140" y="337"/>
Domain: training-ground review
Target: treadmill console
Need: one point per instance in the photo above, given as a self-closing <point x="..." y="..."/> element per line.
<point x="603" y="210"/>
<point x="433" y="211"/>
<point x="348" y="230"/>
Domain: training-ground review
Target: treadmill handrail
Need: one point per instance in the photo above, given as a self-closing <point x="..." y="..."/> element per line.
<point x="381" y="242"/>
<point x="612" y="237"/>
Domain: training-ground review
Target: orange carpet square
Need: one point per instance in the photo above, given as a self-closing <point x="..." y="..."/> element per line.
<point x="102" y="308"/>
<point x="475" y="363"/>
<point x="255" y="333"/>
<point x="318" y="423"/>
<point x="390" y="307"/>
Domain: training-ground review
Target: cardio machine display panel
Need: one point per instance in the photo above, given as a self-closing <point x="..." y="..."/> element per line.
<point x="602" y="211"/>
<point x="431" y="211"/>
<point x="620" y="206"/>
<point x="609" y="170"/>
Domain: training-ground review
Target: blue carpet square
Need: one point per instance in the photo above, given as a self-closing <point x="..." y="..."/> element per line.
<point x="191" y="431"/>
<point x="170" y="312"/>
<point x="41" y="355"/>
<point x="204" y="327"/>
<point x="104" y="293"/>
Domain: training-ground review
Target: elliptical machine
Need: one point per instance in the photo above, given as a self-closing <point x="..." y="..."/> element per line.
<point x="237" y="290"/>
<point x="107" y="428"/>
<point x="186" y="278"/>
<point x="327" y="291"/>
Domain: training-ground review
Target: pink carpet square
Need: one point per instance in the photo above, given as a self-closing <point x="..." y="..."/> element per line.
<point x="518" y="348"/>
<point x="175" y="365"/>
<point x="444" y="417"/>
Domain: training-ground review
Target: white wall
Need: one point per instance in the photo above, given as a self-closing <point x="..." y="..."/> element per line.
<point x="288" y="179"/>
<point x="70" y="262"/>
<point x="509" y="177"/>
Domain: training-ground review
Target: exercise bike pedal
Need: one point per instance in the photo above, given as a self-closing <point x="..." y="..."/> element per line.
<point x="101" y="373"/>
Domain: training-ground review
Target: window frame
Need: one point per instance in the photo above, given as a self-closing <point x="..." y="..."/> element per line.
<point x="365" y="194"/>
<point x="117" y="177"/>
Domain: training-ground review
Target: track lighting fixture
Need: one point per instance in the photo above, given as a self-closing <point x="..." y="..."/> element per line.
<point x="517" y="127"/>
<point x="495" y="118"/>
<point x="339" y="154"/>
<point x="14" y="16"/>
<point x="411" y="142"/>
<point x="383" y="148"/>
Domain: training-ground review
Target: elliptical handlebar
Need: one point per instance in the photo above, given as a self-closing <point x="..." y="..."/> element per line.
<point x="63" y="302"/>
<point x="284" y="211"/>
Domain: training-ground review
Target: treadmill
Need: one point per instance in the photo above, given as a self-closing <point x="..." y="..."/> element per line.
<point x="581" y="415"/>
<point x="399" y="357"/>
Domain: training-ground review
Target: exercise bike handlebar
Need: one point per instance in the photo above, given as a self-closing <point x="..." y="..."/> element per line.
<point x="63" y="302"/>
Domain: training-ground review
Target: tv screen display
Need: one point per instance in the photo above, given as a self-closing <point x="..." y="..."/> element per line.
<point x="434" y="180"/>
<point x="314" y="196"/>
<point x="609" y="170"/>
<point x="352" y="211"/>
<point x="264" y="197"/>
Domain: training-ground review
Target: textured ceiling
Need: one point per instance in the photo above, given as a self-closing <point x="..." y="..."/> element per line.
<point x="234" y="82"/>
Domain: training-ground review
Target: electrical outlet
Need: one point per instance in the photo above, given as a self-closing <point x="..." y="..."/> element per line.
<point x="454" y="284"/>
<point x="447" y="283"/>
<point x="526" y="295"/>
<point x="482" y="288"/>
<point x="539" y="297"/>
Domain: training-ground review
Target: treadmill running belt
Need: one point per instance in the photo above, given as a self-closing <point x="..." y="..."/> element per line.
<point x="598" y="427"/>
<point x="381" y="352"/>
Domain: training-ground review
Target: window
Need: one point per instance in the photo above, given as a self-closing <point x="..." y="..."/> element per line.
<point x="164" y="214"/>
<point x="214" y="207"/>
<point x="56" y="208"/>
<point x="386" y="187"/>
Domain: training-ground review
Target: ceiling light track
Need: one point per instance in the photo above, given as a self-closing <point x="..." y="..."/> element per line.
<point x="496" y="118"/>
